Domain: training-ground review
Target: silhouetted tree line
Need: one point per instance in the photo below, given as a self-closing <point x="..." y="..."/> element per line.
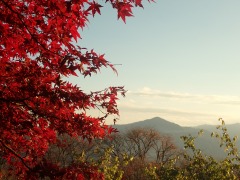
<point x="144" y="153"/>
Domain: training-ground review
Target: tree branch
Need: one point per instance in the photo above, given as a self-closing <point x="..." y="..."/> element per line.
<point x="15" y="154"/>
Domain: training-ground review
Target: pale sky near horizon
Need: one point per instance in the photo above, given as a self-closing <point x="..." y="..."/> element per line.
<point x="180" y="60"/>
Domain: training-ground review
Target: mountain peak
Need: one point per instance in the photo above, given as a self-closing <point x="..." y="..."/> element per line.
<point x="157" y="123"/>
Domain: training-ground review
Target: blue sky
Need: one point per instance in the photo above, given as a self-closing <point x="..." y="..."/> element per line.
<point x="180" y="60"/>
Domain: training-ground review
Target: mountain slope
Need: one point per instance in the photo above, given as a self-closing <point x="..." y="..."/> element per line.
<point x="208" y="145"/>
<point x="157" y="123"/>
<point x="233" y="129"/>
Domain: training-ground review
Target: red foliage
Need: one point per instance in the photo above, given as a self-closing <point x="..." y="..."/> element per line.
<point x="36" y="104"/>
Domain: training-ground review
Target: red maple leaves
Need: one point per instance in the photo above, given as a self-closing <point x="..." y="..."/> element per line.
<point x="36" y="104"/>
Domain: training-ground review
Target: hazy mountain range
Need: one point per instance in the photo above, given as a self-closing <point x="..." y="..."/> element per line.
<point x="206" y="143"/>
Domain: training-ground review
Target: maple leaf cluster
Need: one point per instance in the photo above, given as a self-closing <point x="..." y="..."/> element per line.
<point x="37" y="51"/>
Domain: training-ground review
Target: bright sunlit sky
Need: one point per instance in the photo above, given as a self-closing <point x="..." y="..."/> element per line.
<point x="180" y="60"/>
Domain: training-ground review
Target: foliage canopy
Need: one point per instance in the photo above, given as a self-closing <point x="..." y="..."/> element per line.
<point x="37" y="50"/>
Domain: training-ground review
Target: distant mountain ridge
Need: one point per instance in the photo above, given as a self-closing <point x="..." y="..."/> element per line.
<point x="156" y="122"/>
<point x="207" y="144"/>
<point x="233" y="129"/>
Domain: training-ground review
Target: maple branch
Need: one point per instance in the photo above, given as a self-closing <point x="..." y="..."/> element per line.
<point x="15" y="154"/>
<point x="37" y="112"/>
<point x="97" y="106"/>
<point x="13" y="100"/>
<point x="23" y="23"/>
